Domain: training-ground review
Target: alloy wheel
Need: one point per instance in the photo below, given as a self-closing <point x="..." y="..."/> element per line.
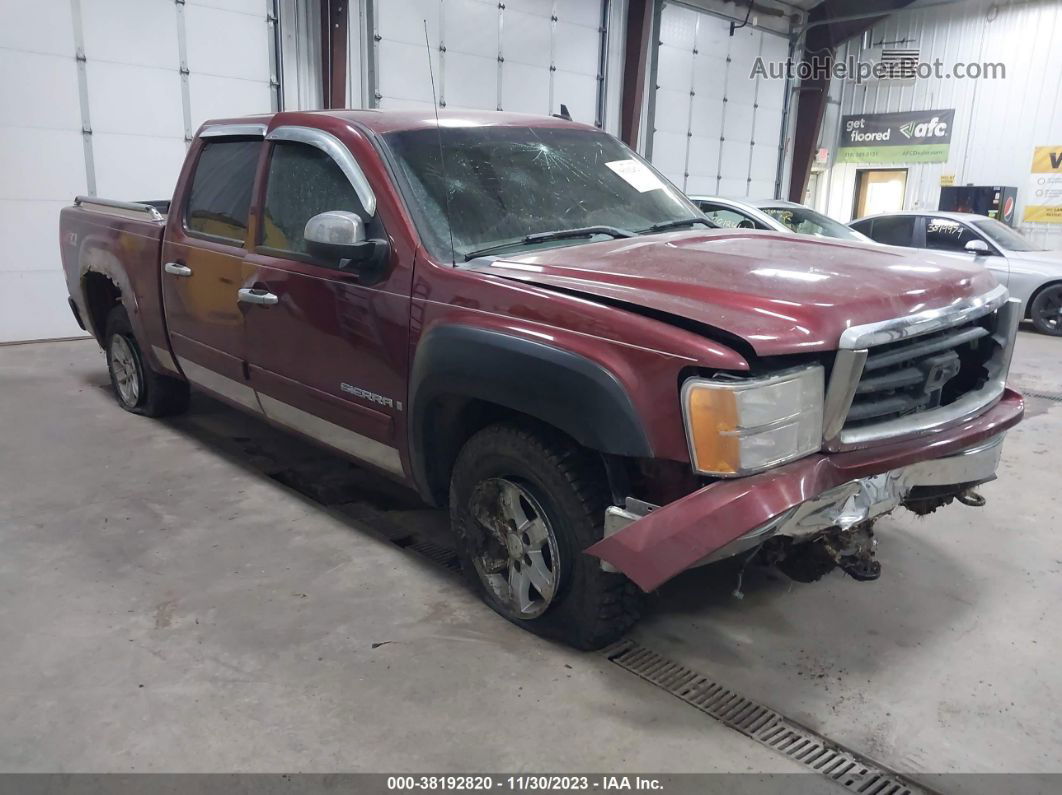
<point x="516" y="556"/>
<point x="1049" y="309"/>
<point x="125" y="369"/>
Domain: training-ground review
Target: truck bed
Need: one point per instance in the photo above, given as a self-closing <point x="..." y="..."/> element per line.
<point x="120" y="242"/>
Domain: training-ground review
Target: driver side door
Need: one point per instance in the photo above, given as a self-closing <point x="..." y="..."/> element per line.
<point x="327" y="354"/>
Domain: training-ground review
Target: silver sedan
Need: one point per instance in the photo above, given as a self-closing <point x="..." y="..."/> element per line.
<point x="1032" y="275"/>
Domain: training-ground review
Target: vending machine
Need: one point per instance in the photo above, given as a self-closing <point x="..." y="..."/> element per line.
<point x="995" y="201"/>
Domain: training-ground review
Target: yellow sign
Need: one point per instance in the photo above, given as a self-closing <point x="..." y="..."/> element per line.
<point x="1043" y="203"/>
<point x="946" y="180"/>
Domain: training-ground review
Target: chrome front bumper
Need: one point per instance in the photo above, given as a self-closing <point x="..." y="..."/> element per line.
<point x="866" y="498"/>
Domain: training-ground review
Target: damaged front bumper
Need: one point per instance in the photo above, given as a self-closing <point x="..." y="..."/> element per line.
<point x="801" y="499"/>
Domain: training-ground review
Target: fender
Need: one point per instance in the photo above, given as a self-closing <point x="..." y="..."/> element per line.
<point x="563" y="389"/>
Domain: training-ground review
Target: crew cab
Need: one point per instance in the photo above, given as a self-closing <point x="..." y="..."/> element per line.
<point x="520" y="319"/>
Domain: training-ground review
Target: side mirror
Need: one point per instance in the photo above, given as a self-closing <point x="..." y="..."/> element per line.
<point x="339" y="236"/>
<point x="977" y="247"/>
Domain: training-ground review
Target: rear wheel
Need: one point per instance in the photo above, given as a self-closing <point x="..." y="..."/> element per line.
<point x="524" y="504"/>
<point x="137" y="387"/>
<point x="1046" y="310"/>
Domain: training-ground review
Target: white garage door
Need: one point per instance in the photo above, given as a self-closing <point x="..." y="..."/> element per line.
<point x="525" y="56"/>
<point x="715" y="128"/>
<point x="93" y="99"/>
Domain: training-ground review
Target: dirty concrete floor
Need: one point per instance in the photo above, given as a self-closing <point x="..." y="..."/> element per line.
<point x="169" y="603"/>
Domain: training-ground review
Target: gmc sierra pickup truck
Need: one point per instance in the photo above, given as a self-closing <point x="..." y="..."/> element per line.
<point x="521" y="319"/>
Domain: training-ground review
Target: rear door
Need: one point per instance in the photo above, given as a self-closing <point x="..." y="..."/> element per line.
<point x="327" y="354"/>
<point x="891" y="230"/>
<point x="203" y="266"/>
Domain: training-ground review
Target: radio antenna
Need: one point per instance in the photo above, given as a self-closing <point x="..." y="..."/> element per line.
<point x="442" y="157"/>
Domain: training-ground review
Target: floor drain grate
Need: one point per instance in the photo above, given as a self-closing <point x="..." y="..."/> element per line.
<point x="847" y="768"/>
<point x="436" y="553"/>
<point x="1035" y="393"/>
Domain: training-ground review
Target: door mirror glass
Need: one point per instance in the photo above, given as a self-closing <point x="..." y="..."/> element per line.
<point x="977" y="247"/>
<point x="339" y="236"/>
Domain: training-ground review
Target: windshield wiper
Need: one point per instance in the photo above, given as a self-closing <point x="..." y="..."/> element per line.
<point x="559" y="234"/>
<point x="661" y="227"/>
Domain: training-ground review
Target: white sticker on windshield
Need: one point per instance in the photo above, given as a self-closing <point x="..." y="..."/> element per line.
<point x="635" y="174"/>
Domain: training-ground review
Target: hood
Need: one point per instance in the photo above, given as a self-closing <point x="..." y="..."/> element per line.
<point x="1045" y="261"/>
<point x="782" y="293"/>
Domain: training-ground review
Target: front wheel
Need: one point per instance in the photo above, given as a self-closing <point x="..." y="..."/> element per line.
<point x="524" y="504"/>
<point x="1046" y="311"/>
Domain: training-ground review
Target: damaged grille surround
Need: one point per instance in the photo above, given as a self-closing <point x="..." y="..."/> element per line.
<point x="898" y="378"/>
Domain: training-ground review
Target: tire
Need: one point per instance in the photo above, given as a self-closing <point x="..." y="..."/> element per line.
<point x="1046" y="310"/>
<point x="509" y="476"/>
<point x="138" y="388"/>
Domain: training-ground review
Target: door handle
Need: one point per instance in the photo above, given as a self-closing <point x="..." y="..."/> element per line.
<point x="177" y="269"/>
<point x="248" y="295"/>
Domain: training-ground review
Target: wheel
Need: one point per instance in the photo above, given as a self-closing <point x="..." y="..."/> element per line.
<point x="137" y="387"/>
<point x="1046" y="310"/>
<point x="524" y="504"/>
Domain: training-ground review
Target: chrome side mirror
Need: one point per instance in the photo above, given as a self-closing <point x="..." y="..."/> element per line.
<point x="337" y="237"/>
<point x="977" y="247"/>
<point x="335" y="228"/>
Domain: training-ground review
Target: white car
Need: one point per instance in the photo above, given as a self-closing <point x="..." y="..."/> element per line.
<point x="1033" y="275"/>
<point x="774" y="214"/>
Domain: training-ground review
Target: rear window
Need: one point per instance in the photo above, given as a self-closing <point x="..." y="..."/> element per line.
<point x="220" y="198"/>
<point x="895" y="231"/>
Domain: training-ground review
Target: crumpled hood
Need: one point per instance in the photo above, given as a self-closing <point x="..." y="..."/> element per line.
<point x="782" y="293"/>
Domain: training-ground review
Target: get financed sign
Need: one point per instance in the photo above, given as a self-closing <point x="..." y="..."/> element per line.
<point x="913" y="137"/>
<point x="1043" y="203"/>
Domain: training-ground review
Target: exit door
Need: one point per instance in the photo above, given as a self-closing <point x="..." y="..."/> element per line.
<point x="879" y="190"/>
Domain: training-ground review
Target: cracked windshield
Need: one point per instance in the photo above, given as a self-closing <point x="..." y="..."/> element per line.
<point x="509" y="183"/>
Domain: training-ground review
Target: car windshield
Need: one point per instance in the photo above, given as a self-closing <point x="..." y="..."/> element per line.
<point x="506" y="183"/>
<point x="805" y="221"/>
<point x="1003" y="236"/>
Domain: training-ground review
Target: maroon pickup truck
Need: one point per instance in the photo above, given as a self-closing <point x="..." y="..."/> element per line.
<point x="521" y="319"/>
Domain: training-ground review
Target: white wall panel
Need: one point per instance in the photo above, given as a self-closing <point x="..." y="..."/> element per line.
<point x="142" y="32"/>
<point x="704" y="92"/>
<point x="227" y="44"/>
<point x="134" y="100"/>
<point x="38" y="91"/>
<point x="487" y="55"/>
<point x="33" y="305"/>
<point x="40" y="164"/>
<point x="997" y="122"/>
<point x="219" y="97"/>
<point x="136" y="167"/>
<point x="471" y="81"/>
<point x="155" y="111"/>
<point x="525" y="89"/>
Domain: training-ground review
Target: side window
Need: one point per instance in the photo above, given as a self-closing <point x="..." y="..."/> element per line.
<point x="302" y="182"/>
<point x="895" y="231"/>
<point x="725" y="217"/>
<point x="220" y="198"/>
<point x="945" y="234"/>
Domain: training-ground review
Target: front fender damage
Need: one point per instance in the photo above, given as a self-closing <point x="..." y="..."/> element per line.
<point x="677" y="536"/>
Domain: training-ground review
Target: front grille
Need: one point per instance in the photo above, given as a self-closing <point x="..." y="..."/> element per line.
<point x="923" y="373"/>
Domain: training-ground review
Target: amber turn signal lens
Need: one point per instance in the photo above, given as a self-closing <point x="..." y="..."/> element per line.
<point x="714" y="445"/>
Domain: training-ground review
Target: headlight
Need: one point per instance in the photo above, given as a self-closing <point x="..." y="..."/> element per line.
<point x="744" y="426"/>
